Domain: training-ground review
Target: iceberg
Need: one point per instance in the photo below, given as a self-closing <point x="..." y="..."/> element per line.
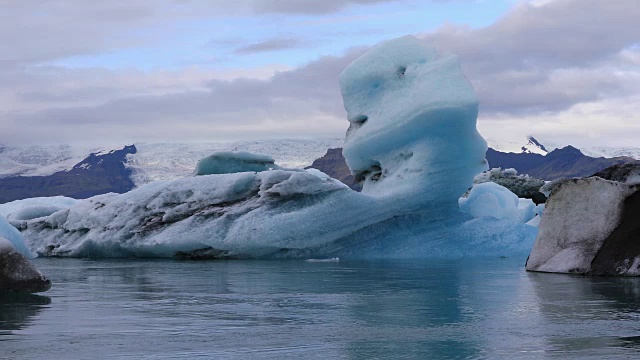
<point x="13" y="236"/>
<point x="412" y="143"/>
<point x="230" y="162"/>
<point x="524" y="186"/>
<point x="492" y="200"/>
<point x="32" y="208"/>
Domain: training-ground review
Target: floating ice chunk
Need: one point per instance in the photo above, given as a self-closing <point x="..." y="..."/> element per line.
<point x="526" y="210"/>
<point x="492" y="200"/>
<point x="329" y="260"/>
<point x="522" y="185"/>
<point x="229" y="162"/>
<point x="11" y="234"/>
<point x="318" y="173"/>
<point x="18" y="209"/>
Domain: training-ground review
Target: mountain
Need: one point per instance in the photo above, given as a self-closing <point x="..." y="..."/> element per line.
<point x="334" y="165"/>
<point x="559" y="163"/>
<point x="39" y="160"/>
<point x="529" y="146"/>
<point x="158" y="161"/>
<point x="533" y="146"/>
<point x="27" y="171"/>
<point x="61" y="170"/>
<point x="565" y="162"/>
<point x="99" y="173"/>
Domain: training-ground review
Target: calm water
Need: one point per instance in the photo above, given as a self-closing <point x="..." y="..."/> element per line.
<point x="294" y="309"/>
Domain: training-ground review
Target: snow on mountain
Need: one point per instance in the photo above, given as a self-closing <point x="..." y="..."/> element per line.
<point x="589" y="150"/>
<point x="157" y="161"/>
<point x="40" y="160"/>
<point x="609" y="152"/>
<point x="528" y="146"/>
<point x="532" y="146"/>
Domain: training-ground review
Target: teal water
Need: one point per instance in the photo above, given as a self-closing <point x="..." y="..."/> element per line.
<point x="462" y="309"/>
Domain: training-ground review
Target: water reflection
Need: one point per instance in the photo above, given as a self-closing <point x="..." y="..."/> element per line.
<point x="347" y="310"/>
<point x="17" y="310"/>
<point x="579" y="302"/>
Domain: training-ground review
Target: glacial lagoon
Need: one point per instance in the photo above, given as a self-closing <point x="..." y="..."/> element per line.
<point x="425" y="309"/>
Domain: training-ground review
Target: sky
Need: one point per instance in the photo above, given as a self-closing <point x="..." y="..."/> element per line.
<point x="117" y="72"/>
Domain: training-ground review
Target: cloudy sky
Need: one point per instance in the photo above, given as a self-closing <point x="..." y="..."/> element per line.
<point x="114" y="72"/>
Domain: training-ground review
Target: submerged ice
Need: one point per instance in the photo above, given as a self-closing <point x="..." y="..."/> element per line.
<point x="412" y="143"/>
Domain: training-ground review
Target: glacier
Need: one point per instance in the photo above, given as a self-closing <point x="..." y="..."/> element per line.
<point x="412" y="142"/>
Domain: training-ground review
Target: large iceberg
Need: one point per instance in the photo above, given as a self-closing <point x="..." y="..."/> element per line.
<point x="412" y="143"/>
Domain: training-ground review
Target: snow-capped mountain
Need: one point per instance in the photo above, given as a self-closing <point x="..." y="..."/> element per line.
<point x="531" y="145"/>
<point x="527" y="146"/>
<point x="98" y="173"/>
<point x="611" y="152"/>
<point x="534" y="147"/>
<point x="40" y="160"/>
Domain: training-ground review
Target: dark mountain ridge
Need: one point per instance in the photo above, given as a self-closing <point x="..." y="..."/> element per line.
<point x="560" y="163"/>
<point x="99" y="173"/>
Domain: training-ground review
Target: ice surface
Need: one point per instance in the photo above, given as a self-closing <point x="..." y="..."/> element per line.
<point x="493" y="200"/>
<point x="230" y="162"/>
<point x="32" y="208"/>
<point x="10" y="233"/>
<point x="412" y="142"/>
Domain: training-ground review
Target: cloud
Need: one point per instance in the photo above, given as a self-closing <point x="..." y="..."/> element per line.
<point x="567" y="67"/>
<point x="307" y="7"/>
<point x="274" y="44"/>
<point x="546" y="57"/>
<point x="302" y="101"/>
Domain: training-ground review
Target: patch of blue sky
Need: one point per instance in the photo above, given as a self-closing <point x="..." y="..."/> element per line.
<point x="213" y="42"/>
